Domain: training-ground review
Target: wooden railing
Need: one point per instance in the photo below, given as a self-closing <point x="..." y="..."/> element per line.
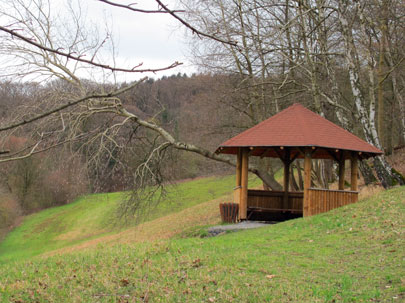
<point x="273" y="200"/>
<point x="323" y="200"/>
<point x="319" y="200"/>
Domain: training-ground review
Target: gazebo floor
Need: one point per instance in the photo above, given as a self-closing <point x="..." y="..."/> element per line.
<point x="266" y="205"/>
<point x="267" y="215"/>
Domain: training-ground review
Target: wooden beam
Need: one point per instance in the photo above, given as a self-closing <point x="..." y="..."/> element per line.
<point x="342" y="172"/>
<point x="294" y="157"/>
<point x="236" y="191"/>
<point x="238" y="167"/>
<point x="307" y="182"/>
<point x="286" y="178"/>
<point x="265" y="152"/>
<point x="303" y="151"/>
<point x="354" y="172"/>
<point x="280" y="154"/>
<point x="244" y="185"/>
<point x="333" y="155"/>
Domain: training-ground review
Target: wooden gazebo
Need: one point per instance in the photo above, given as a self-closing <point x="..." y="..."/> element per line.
<point x="296" y="132"/>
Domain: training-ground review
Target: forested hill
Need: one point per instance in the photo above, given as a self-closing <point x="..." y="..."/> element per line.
<point x="201" y="109"/>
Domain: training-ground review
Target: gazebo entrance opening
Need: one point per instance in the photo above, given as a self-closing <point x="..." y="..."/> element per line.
<point x="295" y="133"/>
<point x="266" y="205"/>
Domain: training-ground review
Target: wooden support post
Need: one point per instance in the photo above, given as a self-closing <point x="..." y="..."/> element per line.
<point x="342" y="172"/>
<point x="237" y="190"/>
<point x="354" y="171"/>
<point x="286" y="178"/>
<point x="238" y="167"/>
<point x="307" y="183"/>
<point x="244" y="185"/>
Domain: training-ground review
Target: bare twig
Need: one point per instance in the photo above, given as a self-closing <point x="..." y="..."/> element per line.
<point x="71" y="103"/>
<point x="135" y="69"/>
<point x="138" y="10"/>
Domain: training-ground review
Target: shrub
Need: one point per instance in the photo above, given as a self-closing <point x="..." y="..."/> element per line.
<point x="9" y="210"/>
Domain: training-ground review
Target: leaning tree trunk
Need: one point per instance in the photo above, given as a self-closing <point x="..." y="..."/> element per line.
<point x="387" y="176"/>
<point x="367" y="173"/>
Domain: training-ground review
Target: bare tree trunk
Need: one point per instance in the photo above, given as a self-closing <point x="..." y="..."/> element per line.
<point x="367" y="173"/>
<point x="384" y="171"/>
<point x="382" y="71"/>
<point x="311" y="64"/>
<point x="293" y="182"/>
<point x="300" y="178"/>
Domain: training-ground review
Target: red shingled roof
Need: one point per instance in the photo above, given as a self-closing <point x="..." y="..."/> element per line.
<point x="297" y="126"/>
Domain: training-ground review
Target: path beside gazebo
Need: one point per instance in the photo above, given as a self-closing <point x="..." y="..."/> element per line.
<point x="220" y="229"/>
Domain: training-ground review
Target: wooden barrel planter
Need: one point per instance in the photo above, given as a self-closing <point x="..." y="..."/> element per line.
<point x="229" y="212"/>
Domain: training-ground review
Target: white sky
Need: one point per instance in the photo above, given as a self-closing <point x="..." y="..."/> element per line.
<point x="155" y="39"/>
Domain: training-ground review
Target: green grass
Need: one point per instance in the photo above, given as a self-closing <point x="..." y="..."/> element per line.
<point x="93" y="216"/>
<point x="351" y="254"/>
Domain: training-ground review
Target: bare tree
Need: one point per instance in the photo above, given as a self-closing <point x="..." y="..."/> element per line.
<point x="35" y="46"/>
<point x="310" y="41"/>
<point x="387" y="176"/>
<point x="262" y="53"/>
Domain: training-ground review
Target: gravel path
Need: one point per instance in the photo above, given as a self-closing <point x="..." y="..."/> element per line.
<point x="220" y="229"/>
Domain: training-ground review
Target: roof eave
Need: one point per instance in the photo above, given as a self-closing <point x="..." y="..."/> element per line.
<point x="365" y="153"/>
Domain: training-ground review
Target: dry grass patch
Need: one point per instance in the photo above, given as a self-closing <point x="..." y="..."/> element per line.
<point x="162" y="228"/>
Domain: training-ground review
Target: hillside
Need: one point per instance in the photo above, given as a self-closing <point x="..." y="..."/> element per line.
<point x="95" y="216"/>
<point x="351" y="254"/>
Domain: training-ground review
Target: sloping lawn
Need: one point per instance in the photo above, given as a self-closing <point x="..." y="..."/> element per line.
<point x="95" y="215"/>
<point x="351" y="254"/>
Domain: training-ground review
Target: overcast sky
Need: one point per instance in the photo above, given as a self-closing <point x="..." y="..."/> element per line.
<point x="155" y="39"/>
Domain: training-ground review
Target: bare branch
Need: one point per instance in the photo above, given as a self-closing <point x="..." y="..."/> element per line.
<point x="71" y="103"/>
<point x="138" y="10"/>
<point x="135" y="69"/>
<point x="192" y="28"/>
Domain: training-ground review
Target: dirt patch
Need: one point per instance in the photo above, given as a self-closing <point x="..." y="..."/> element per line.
<point x="78" y="235"/>
<point x="220" y="229"/>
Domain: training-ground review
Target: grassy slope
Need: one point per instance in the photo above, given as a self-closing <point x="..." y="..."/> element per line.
<point x="94" y="216"/>
<point x="351" y="254"/>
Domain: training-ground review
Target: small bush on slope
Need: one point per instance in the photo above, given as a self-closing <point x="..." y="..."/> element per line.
<point x="351" y="254"/>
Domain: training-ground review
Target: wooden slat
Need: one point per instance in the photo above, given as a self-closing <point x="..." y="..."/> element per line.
<point x="307" y="183"/>
<point x="323" y="200"/>
<point x="237" y="190"/>
<point x="238" y="168"/>
<point x="354" y="171"/>
<point x="274" y="200"/>
<point x="286" y="178"/>
<point x="236" y="195"/>
<point x="244" y="185"/>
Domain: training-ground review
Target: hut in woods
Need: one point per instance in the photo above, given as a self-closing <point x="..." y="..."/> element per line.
<point x="295" y="133"/>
